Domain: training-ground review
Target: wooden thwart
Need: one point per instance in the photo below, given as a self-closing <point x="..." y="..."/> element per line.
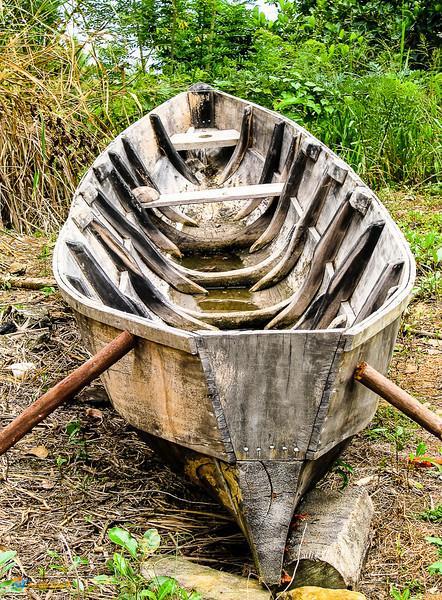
<point x="225" y="194"/>
<point x="205" y="138"/>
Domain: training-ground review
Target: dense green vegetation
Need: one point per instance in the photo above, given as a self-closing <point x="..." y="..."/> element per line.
<point x="362" y="76"/>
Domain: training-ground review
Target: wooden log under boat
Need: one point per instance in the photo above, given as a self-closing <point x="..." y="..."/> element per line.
<point x="253" y="303"/>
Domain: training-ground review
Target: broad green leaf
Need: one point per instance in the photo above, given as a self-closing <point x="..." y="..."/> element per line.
<point x="123" y="538"/>
<point x="6" y="556"/>
<point x="150" y="541"/>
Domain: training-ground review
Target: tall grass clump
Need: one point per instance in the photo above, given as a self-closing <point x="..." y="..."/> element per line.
<point x="48" y="132"/>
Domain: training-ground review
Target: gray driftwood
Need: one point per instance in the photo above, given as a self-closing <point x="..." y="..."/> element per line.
<point x="329" y="542"/>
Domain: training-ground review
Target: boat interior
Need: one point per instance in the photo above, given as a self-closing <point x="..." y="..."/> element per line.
<point x="214" y="213"/>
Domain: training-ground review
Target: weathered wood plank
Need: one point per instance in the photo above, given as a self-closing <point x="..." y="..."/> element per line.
<point x="270" y="403"/>
<point x="199" y="139"/>
<point x="225" y="194"/>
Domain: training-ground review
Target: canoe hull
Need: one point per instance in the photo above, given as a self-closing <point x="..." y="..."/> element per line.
<point x="189" y="404"/>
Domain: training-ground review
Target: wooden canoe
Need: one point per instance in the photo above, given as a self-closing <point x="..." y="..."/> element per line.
<point x="256" y="270"/>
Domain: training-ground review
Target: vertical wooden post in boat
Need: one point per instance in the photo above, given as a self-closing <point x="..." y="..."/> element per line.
<point x="399" y="398"/>
<point x="65" y="389"/>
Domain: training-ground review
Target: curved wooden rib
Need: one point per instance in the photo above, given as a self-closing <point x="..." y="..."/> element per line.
<point x="325" y="252"/>
<point x="122" y="169"/>
<point x="78" y="285"/>
<point x="271" y="165"/>
<point x="309" y="150"/>
<point x="244" y="237"/>
<point x="142" y="174"/>
<point x="144" y="178"/>
<point x="241" y="147"/>
<point x="239" y="319"/>
<point x="100" y="282"/>
<point x="149" y="253"/>
<point x="388" y="279"/>
<point x="145" y="290"/>
<point x="346" y="277"/>
<point x="131" y="204"/>
<point x="297" y="242"/>
<point x="167" y="148"/>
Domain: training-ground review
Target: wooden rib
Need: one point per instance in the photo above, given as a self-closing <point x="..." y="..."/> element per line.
<point x="137" y="164"/>
<point x="78" y="285"/>
<point x="291" y="187"/>
<point x="101" y="283"/>
<point x="201" y="100"/>
<point x="149" y="253"/>
<point x="119" y="166"/>
<point x="144" y="178"/>
<point x="245" y="319"/>
<point x="325" y="251"/>
<point x="131" y="204"/>
<point x="271" y="165"/>
<point x="242" y="239"/>
<point x="347" y="276"/>
<point x="245" y="139"/>
<point x="168" y="149"/>
<point x="298" y="240"/>
<point x="145" y="290"/>
<point x="389" y="278"/>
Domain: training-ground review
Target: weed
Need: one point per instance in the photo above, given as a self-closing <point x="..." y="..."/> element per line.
<point x="344" y="471"/>
<point x="125" y="569"/>
<point x="436" y="567"/>
<point x="433" y="515"/>
<point x="398" y="595"/>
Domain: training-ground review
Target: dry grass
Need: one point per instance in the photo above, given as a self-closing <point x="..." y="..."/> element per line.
<point x="48" y="131"/>
<point x="103" y="475"/>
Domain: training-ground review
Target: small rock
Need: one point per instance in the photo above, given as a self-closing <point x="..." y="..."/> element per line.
<point x="316" y="593"/>
<point x="17" y="269"/>
<point x="94" y="413"/>
<point x="19" y="369"/>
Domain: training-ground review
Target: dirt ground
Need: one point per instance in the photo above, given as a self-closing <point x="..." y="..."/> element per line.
<point x="84" y="470"/>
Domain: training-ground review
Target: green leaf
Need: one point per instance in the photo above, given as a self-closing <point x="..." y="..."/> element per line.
<point x="435" y="568"/>
<point x="7" y="556"/>
<point x="123" y="538"/>
<point x="147" y="594"/>
<point x="437" y="541"/>
<point x="439" y="255"/>
<point x="167" y="589"/>
<point x="104" y="580"/>
<point x="150" y="541"/>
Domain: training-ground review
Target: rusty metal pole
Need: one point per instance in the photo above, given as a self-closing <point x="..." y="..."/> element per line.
<point x="65" y="389"/>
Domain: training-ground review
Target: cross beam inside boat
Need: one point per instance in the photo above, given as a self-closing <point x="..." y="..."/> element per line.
<point x="243" y="192"/>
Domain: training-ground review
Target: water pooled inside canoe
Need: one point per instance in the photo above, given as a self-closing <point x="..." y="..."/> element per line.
<point x="220" y="299"/>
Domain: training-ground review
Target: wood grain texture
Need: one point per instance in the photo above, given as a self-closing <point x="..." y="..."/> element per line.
<point x="270" y="403"/>
<point x="176" y="404"/>
<point x="328" y="545"/>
